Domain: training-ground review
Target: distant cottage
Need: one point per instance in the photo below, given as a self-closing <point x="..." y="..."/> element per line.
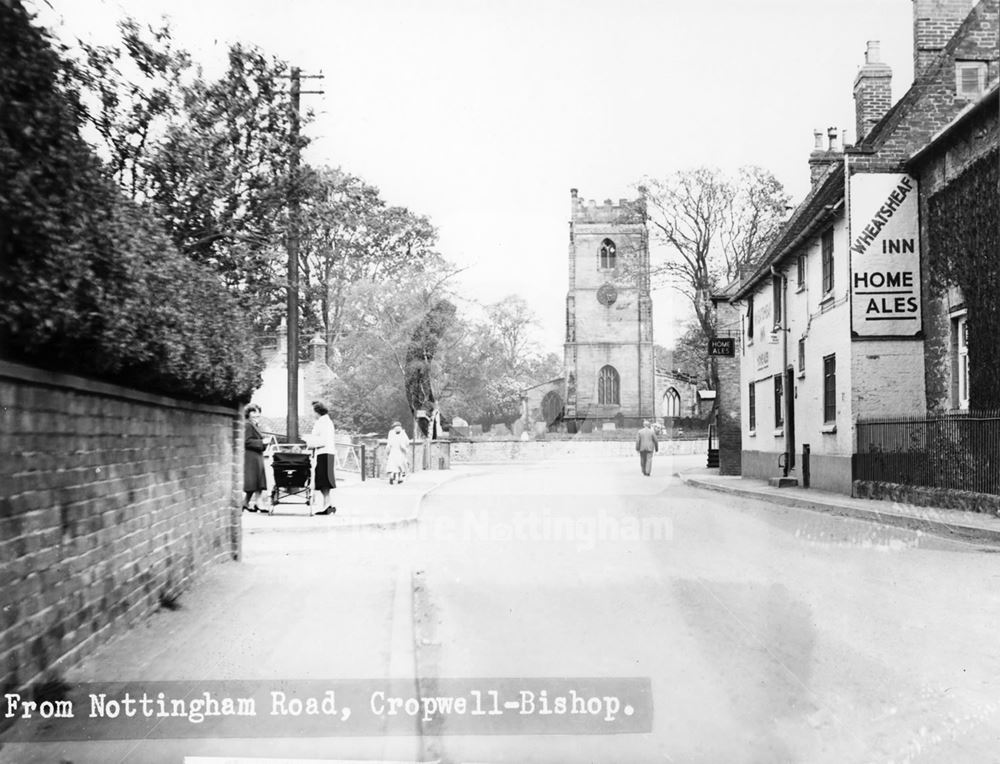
<point x="315" y="378"/>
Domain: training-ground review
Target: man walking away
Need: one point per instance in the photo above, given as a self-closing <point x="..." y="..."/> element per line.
<point x="646" y="444"/>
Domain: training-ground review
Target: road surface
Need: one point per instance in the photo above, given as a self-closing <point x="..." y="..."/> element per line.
<point x="744" y="632"/>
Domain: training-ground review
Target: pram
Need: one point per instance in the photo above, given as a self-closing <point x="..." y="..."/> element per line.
<point x="293" y="471"/>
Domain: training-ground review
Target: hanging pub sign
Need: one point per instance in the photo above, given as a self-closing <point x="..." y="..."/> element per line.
<point x="722" y="346"/>
<point x="884" y="236"/>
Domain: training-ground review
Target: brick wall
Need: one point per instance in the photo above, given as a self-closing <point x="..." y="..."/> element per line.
<point x="888" y="378"/>
<point x="932" y="103"/>
<point x="471" y="452"/>
<point x="111" y="502"/>
<point x="943" y="165"/>
<point x="934" y="23"/>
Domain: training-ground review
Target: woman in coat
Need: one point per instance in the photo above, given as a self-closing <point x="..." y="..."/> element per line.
<point x="395" y="453"/>
<point x="325" y="435"/>
<point x="254" y="476"/>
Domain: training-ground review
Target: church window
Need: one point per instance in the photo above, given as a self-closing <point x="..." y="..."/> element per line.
<point x="671" y="403"/>
<point x="608" y="386"/>
<point x="608" y="254"/>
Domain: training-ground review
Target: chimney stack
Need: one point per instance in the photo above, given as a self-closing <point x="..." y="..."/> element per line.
<point x="822" y="157"/>
<point x="934" y="24"/>
<point x="872" y="92"/>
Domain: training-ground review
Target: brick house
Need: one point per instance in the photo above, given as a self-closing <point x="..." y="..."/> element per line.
<point x="956" y="162"/>
<point x="834" y="316"/>
<point x="728" y="423"/>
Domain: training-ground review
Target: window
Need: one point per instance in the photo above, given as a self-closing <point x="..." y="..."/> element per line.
<point x="776" y="297"/>
<point x="830" y="389"/>
<point x="779" y="402"/>
<point x="827" y="247"/>
<point x="752" y="408"/>
<point x="800" y="271"/>
<point x="608" y="254"/>
<point x="970" y="79"/>
<point x="961" y="326"/>
<point x="750" y="318"/>
<point x="608" y="386"/>
<point x="802" y="356"/>
<point x="671" y="403"/>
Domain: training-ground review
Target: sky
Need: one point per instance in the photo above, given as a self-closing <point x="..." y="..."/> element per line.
<point x="483" y="114"/>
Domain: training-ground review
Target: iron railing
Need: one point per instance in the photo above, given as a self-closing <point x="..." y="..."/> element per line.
<point x="956" y="450"/>
<point x="349" y="456"/>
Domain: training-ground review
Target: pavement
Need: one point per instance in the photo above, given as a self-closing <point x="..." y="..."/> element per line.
<point x="360" y="503"/>
<point x="951" y="523"/>
<point x="315" y="600"/>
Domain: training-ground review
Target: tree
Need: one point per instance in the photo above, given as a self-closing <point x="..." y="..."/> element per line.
<point x="209" y="158"/>
<point x="509" y="325"/>
<point x="400" y="346"/>
<point x="130" y="95"/>
<point x="350" y="235"/>
<point x="712" y="225"/>
<point x="90" y="282"/>
<point x="690" y="355"/>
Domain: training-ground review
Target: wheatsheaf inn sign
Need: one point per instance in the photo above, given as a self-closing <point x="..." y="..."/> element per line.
<point x="885" y="255"/>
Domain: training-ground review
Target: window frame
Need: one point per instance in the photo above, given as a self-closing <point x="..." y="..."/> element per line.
<point x="800" y="271"/>
<point x="830" y="388"/>
<point x="750" y="317"/>
<point x="962" y="360"/>
<point x="779" y="401"/>
<point x="752" y="406"/>
<point x="980" y="69"/>
<point x="826" y="250"/>
<point x="607" y="255"/>
<point x="608" y="376"/>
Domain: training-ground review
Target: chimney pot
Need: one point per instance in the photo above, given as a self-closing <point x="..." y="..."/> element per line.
<point x="831" y="133"/>
<point x="872" y="91"/>
<point x="818" y="139"/>
<point x="872" y="55"/>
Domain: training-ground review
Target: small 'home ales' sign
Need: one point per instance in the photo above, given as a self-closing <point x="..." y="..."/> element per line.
<point x="724" y="346"/>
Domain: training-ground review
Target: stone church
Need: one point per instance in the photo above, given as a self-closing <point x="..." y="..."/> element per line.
<point x="610" y="375"/>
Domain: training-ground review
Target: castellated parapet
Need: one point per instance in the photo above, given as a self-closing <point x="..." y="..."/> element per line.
<point x="589" y="211"/>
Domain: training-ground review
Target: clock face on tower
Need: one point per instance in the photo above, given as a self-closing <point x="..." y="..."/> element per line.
<point x="607" y="294"/>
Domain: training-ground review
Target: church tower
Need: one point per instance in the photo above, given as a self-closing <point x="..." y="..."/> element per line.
<point x="610" y="372"/>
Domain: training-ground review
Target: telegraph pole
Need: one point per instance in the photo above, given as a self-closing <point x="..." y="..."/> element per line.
<point x="292" y="243"/>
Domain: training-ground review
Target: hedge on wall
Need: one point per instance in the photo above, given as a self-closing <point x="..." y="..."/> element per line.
<point x="964" y="246"/>
<point x="89" y="282"/>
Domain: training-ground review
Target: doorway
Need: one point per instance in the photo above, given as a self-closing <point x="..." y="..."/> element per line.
<point x="790" y="416"/>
